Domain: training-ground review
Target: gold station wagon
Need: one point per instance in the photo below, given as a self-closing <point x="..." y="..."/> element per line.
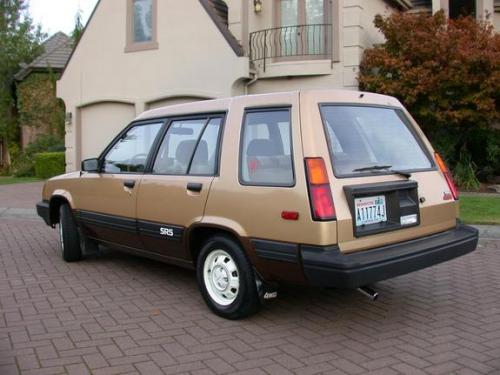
<point x="323" y="188"/>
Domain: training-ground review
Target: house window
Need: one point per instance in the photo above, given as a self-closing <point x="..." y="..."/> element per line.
<point x="305" y="27"/>
<point x="143" y="21"/>
<point x="141" y="25"/>
<point x="462" y="8"/>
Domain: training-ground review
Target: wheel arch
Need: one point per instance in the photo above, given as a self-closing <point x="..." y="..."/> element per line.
<point x="198" y="234"/>
<point x="56" y="200"/>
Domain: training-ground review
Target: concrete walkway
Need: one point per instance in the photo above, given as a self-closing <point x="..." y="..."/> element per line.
<point x="21" y="195"/>
<point x="18" y="213"/>
<point x="488" y="231"/>
<point x="491" y="194"/>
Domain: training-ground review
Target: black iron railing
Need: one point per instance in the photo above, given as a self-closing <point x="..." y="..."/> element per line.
<point x="291" y="41"/>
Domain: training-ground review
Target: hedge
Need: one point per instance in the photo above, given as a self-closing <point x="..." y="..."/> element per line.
<point x="49" y="164"/>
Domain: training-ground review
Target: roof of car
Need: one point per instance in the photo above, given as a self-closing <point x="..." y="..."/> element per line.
<point x="321" y="96"/>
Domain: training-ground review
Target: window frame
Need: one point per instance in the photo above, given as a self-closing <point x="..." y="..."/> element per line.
<point x="131" y="44"/>
<point x="248" y="110"/>
<point x="120" y="135"/>
<point x="208" y="117"/>
<point x="404" y="119"/>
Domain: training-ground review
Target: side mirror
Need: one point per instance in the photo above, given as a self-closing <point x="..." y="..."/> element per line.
<point x="91" y="165"/>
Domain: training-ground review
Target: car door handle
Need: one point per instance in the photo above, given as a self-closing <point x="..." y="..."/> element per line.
<point x="129" y="184"/>
<point x="195" y="187"/>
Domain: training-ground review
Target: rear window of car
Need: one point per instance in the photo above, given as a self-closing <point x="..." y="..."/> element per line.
<point x="363" y="137"/>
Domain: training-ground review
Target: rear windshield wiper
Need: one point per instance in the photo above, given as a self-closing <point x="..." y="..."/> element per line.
<point x="382" y="168"/>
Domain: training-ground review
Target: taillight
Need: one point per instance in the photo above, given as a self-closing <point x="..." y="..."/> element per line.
<point x="447" y="175"/>
<point x="320" y="193"/>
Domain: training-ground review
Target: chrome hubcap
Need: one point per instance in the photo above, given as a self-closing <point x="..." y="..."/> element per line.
<point x="221" y="277"/>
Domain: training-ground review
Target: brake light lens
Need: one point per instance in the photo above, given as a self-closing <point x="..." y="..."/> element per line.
<point x="447" y="175"/>
<point x="320" y="194"/>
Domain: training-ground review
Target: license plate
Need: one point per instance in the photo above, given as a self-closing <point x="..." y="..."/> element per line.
<point x="370" y="210"/>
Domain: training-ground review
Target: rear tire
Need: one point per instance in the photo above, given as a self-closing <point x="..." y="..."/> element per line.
<point x="68" y="235"/>
<point x="226" y="279"/>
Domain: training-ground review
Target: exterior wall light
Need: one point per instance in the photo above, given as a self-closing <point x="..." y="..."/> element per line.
<point x="69" y="118"/>
<point x="257" y="6"/>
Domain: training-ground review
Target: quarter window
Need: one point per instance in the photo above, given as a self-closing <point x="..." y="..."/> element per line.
<point x="189" y="147"/>
<point x="266" y="148"/>
<point x="130" y="153"/>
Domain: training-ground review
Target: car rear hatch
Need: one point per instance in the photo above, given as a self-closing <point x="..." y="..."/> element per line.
<point x="385" y="182"/>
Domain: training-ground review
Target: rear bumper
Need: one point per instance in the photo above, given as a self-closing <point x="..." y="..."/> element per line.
<point x="43" y="210"/>
<point x="328" y="267"/>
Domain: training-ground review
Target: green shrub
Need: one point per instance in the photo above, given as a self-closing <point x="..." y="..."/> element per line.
<point x="4" y="171"/>
<point x="465" y="173"/>
<point x="45" y="143"/>
<point x="49" y="164"/>
<point x="23" y="164"/>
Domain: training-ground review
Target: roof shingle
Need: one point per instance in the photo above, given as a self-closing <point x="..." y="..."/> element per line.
<point x="57" y="50"/>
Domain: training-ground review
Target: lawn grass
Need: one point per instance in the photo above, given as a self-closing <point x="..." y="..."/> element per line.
<point x="17" y="180"/>
<point x="480" y="210"/>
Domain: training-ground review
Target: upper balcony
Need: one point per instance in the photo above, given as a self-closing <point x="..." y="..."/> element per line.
<point x="297" y="46"/>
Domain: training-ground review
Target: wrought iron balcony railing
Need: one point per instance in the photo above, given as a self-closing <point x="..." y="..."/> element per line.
<point x="289" y="42"/>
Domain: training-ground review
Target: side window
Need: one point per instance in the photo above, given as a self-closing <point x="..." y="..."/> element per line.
<point x="189" y="147"/>
<point x="266" y="148"/>
<point x="130" y="153"/>
<point x="206" y="155"/>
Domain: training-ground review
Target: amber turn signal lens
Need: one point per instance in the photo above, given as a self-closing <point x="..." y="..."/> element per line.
<point x="316" y="170"/>
<point x="320" y="194"/>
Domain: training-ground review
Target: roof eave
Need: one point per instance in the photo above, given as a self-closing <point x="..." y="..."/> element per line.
<point x="23" y="74"/>
<point x="231" y="40"/>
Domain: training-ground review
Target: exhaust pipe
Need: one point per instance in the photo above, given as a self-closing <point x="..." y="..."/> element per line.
<point x="368" y="292"/>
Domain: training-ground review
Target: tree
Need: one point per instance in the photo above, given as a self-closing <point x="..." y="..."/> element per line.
<point x="78" y="29"/>
<point x="446" y="72"/>
<point x="20" y="42"/>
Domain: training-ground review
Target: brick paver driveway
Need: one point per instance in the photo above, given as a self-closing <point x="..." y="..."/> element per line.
<point x="117" y="314"/>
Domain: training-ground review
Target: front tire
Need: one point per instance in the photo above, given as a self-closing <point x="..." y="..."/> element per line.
<point x="68" y="235"/>
<point x="226" y="279"/>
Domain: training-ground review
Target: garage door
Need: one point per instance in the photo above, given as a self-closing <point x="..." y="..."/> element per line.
<point x="100" y="123"/>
